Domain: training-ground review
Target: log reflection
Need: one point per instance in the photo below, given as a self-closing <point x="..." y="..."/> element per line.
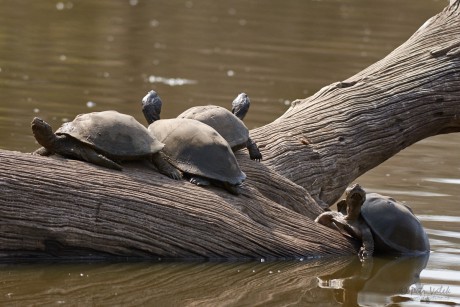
<point x="208" y="284"/>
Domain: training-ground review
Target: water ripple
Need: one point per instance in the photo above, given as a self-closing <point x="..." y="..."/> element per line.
<point x="444" y="233"/>
<point x="410" y="193"/>
<point x="439" y="218"/>
<point x="170" y="81"/>
<point x="440" y="275"/>
<point x="443" y="180"/>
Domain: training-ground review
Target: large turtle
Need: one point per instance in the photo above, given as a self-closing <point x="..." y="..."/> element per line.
<point x="103" y="138"/>
<point x="194" y="148"/>
<point x="382" y="224"/>
<point x="229" y="124"/>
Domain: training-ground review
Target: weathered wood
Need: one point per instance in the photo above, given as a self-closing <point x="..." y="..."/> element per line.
<point x="54" y="206"/>
<point x="61" y="206"/>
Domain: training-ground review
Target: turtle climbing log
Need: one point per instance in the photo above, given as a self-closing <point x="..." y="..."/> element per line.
<point x="383" y="225"/>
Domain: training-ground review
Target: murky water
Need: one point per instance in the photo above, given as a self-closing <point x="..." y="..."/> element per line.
<point x="62" y="58"/>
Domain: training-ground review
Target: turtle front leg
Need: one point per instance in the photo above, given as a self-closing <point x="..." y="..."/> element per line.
<point x="234" y="189"/>
<point x="329" y="219"/>
<point x="254" y="152"/>
<point x="160" y="161"/>
<point x="42" y="151"/>
<point x="367" y="249"/>
<point x="91" y="156"/>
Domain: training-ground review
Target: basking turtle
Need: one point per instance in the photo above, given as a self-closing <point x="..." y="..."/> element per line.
<point x="194" y="148"/>
<point x="103" y="138"/>
<point x="381" y="223"/>
<point x="229" y="125"/>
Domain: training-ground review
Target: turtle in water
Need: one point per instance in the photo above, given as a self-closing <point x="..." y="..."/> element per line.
<point x="382" y="224"/>
<point x="229" y="124"/>
<point x="102" y="138"/>
<point x="194" y="148"/>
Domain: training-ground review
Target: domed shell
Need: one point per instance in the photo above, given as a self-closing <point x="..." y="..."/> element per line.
<point x="117" y="134"/>
<point x="196" y="148"/>
<point x="394" y="226"/>
<point x="230" y="127"/>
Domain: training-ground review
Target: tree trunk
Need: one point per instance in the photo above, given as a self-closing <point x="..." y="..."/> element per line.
<point x="64" y="208"/>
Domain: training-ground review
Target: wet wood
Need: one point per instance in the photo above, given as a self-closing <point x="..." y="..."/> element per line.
<point x="63" y="208"/>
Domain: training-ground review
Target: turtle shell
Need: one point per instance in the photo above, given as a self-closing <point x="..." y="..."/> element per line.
<point x="196" y="148"/>
<point x="230" y="127"/>
<point x="112" y="133"/>
<point x="394" y="227"/>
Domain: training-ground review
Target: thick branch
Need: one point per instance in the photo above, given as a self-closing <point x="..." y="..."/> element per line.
<point x="326" y="141"/>
<point x="54" y="206"/>
<point x="65" y="207"/>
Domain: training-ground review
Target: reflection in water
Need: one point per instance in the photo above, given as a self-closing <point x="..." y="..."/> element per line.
<point x="375" y="280"/>
<point x="343" y="280"/>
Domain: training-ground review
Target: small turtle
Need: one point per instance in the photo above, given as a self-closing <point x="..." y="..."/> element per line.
<point x="194" y="148"/>
<point x="381" y="223"/>
<point x="102" y="138"/>
<point x="229" y="125"/>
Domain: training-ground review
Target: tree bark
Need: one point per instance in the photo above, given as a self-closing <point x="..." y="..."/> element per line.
<point x="54" y="207"/>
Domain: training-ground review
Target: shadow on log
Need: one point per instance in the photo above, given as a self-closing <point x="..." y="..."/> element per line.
<point x="54" y="207"/>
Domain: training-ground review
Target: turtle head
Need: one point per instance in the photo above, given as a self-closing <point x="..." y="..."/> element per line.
<point x="151" y="107"/>
<point x="240" y="106"/>
<point x="355" y="197"/>
<point x="43" y="132"/>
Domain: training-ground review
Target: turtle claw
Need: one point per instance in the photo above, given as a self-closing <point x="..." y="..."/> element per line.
<point x="364" y="254"/>
<point x="255" y="156"/>
<point x="254" y="152"/>
<point x="175" y="174"/>
<point x="199" y="181"/>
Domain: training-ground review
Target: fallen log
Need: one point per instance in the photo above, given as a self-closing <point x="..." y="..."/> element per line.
<point x="55" y="207"/>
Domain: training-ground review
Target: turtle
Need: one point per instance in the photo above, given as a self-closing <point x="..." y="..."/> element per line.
<point x="383" y="225"/>
<point x="197" y="150"/>
<point x="229" y="124"/>
<point x="102" y="138"/>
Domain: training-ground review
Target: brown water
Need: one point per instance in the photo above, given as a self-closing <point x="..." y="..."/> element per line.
<point x="59" y="59"/>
